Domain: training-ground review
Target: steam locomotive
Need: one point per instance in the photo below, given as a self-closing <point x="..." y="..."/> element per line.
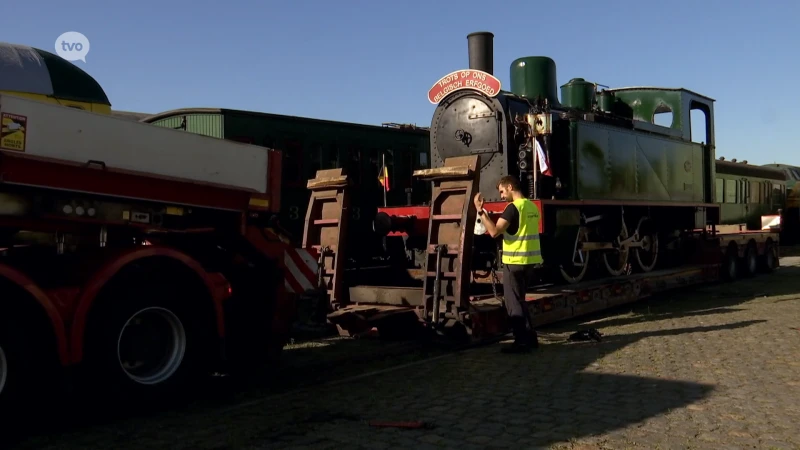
<point x="611" y="184"/>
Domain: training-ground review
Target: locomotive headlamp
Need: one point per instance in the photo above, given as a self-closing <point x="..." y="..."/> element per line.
<point x="523" y="164"/>
<point x="523" y="154"/>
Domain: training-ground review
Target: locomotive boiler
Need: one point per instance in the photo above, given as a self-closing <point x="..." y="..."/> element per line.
<point x="612" y="186"/>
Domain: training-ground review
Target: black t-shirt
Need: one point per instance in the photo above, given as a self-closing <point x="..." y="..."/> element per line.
<point x="511" y="214"/>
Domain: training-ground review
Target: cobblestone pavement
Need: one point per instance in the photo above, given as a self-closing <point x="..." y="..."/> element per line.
<point x="713" y="368"/>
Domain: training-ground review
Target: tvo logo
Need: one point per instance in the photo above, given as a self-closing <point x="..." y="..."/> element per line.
<point x="72" y="46"/>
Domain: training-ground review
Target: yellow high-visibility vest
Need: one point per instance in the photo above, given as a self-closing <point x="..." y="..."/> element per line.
<point x="524" y="246"/>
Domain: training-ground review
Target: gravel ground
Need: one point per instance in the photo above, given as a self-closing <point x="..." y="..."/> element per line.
<point x="714" y="367"/>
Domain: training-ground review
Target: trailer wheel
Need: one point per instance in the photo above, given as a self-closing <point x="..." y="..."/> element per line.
<point x="148" y="337"/>
<point x="750" y="259"/>
<point x="769" y="261"/>
<point x="730" y="264"/>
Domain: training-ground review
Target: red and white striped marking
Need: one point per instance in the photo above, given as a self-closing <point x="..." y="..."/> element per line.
<point x="301" y="270"/>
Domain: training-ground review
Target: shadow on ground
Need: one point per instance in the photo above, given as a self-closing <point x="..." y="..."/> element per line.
<point x="719" y="298"/>
<point x="480" y="397"/>
<point x="485" y="399"/>
<point x="548" y="394"/>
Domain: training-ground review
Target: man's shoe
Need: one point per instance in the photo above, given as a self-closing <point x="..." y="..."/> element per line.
<point x="534" y="339"/>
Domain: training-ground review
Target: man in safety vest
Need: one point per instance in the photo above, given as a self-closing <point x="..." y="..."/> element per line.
<point x="519" y="225"/>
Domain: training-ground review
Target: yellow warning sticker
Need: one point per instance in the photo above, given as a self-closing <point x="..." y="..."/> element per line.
<point x="12" y="132"/>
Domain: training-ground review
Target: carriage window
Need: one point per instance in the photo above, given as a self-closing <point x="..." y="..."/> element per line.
<point x="357" y="162"/>
<point x="720" y="186"/>
<point x="330" y="156"/>
<point x="314" y="153"/>
<point x="730" y="191"/>
<point x="293" y="163"/>
<point x="747" y="196"/>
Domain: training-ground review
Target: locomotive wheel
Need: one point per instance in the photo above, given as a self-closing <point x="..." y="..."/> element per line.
<point x="574" y="273"/>
<point x="616" y="261"/>
<point x="647" y="254"/>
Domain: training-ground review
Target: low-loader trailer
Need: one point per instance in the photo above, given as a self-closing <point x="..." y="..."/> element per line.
<point x="451" y="288"/>
<point x="135" y="257"/>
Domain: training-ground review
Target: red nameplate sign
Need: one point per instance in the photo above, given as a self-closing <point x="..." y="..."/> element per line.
<point x="476" y="80"/>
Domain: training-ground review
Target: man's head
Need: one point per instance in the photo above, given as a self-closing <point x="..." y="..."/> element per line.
<point x="506" y="186"/>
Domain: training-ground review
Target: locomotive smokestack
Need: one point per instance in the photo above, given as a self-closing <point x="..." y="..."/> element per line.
<point x="481" y="51"/>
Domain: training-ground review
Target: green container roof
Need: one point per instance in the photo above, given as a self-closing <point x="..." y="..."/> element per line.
<point x="27" y="69"/>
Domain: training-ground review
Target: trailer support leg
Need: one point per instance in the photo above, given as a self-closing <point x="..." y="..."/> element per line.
<point x="326" y="230"/>
<point x="450" y="235"/>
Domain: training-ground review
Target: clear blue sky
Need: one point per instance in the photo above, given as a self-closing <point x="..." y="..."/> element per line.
<point x="374" y="62"/>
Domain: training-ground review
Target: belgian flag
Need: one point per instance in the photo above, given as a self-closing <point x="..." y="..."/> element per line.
<point x="383" y="176"/>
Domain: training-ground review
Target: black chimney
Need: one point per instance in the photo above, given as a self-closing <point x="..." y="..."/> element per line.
<point x="481" y="51"/>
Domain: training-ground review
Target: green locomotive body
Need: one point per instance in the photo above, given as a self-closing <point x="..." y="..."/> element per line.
<point x="613" y="163"/>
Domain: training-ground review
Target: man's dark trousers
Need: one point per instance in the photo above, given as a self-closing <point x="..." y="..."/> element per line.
<point x="516" y="278"/>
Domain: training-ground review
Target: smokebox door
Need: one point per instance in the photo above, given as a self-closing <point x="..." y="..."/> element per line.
<point x="467" y="126"/>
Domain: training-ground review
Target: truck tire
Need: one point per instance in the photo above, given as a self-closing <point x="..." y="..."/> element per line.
<point x="24" y="378"/>
<point x="149" y="337"/>
<point x="10" y="373"/>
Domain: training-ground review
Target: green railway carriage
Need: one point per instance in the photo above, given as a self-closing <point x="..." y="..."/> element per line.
<point x="310" y="144"/>
<point x="792" y="176"/>
<point x="790" y="220"/>
<point x="746" y="192"/>
<point x="792" y="173"/>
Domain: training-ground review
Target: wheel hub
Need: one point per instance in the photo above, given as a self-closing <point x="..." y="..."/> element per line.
<point x="151" y="345"/>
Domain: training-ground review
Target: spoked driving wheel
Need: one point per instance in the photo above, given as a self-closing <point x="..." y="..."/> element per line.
<point x="616" y="260"/>
<point x="647" y="254"/>
<point x="575" y="271"/>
